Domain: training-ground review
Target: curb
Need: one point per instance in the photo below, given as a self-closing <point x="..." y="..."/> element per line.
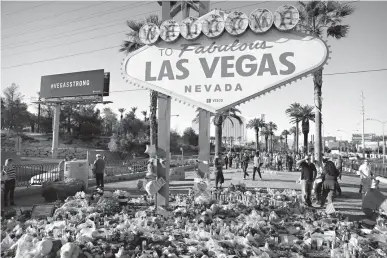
<point x="33" y="190"/>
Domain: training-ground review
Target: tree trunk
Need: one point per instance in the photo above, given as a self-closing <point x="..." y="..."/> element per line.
<point x="286" y="142"/>
<point x="257" y="140"/>
<point x="153" y="118"/>
<point x="218" y="136"/>
<point x="297" y="133"/>
<point x="305" y="142"/>
<point x="266" y="143"/>
<point x="39" y="117"/>
<point x="317" y="80"/>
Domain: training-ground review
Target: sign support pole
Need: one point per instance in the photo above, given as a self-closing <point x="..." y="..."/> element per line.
<point x="204" y="143"/>
<point x="55" y="131"/>
<point x="163" y="147"/>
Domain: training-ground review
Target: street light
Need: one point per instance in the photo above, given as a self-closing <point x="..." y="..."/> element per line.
<point x="384" y="142"/>
<point x="175" y="115"/>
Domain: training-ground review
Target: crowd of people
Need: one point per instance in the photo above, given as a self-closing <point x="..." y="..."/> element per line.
<point x="322" y="181"/>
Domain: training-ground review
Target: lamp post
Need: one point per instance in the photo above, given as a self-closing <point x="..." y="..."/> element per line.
<point x="384" y="142"/>
<point x="182" y="156"/>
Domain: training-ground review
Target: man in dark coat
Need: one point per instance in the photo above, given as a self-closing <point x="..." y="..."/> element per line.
<point x="99" y="171"/>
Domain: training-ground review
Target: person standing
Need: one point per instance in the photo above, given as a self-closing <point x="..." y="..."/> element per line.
<point x="219" y="178"/>
<point x="329" y="185"/>
<point x="308" y="175"/>
<point x="246" y="160"/>
<point x="257" y="165"/>
<point x="365" y="176"/>
<point x="290" y="163"/>
<point x="237" y="160"/>
<point x="99" y="171"/>
<point x="230" y="158"/>
<point x="9" y="172"/>
<point x="226" y="161"/>
<point x="339" y="166"/>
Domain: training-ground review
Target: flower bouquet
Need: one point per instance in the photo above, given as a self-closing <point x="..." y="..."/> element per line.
<point x="121" y="196"/>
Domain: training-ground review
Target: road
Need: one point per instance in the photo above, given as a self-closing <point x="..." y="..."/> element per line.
<point x="348" y="204"/>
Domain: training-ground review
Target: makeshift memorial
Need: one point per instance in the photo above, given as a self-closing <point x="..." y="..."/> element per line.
<point x="239" y="223"/>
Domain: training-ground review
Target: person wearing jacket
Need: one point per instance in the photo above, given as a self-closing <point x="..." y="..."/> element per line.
<point x="99" y="171"/>
<point x="329" y="186"/>
<point x="246" y="160"/>
<point x="226" y="161"/>
<point x="308" y="175"/>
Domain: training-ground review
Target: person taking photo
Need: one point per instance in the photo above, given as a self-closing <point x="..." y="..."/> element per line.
<point x="308" y="175"/>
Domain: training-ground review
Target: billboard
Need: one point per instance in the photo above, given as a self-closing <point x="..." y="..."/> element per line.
<point x="216" y="72"/>
<point x="84" y="83"/>
<point x="367" y="137"/>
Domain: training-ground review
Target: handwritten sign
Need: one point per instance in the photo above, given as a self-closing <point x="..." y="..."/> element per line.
<point x="42" y="211"/>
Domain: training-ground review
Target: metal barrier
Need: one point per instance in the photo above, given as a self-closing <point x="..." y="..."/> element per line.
<point x="36" y="174"/>
<point x="27" y="175"/>
<point x="376" y="168"/>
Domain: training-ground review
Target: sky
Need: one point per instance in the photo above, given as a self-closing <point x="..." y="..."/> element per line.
<point x="32" y="32"/>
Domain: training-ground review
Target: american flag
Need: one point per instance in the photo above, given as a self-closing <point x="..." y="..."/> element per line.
<point x="330" y="209"/>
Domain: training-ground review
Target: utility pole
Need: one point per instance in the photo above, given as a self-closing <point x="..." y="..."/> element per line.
<point x="362" y="113"/>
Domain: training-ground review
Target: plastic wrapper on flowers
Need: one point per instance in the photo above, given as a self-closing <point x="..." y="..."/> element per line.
<point x="242" y="223"/>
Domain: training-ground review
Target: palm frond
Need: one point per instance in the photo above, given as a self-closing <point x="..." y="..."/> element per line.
<point x="338" y="31"/>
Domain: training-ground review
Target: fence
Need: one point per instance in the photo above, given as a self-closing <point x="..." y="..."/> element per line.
<point x="27" y="175"/>
<point x="377" y="169"/>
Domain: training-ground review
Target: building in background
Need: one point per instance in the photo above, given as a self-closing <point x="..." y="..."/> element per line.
<point x="236" y="130"/>
<point x="329" y="138"/>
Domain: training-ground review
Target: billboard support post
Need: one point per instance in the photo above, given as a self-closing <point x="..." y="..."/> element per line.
<point x="204" y="142"/>
<point x="163" y="147"/>
<point x="55" y="132"/>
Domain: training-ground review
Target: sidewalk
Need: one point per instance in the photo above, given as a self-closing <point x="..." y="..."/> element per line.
<point x="349" y="203"/>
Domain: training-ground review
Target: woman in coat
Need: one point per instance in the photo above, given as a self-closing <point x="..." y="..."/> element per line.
<point x="329" y="185"/>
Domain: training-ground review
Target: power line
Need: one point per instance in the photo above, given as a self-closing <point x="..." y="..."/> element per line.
<point x="59" y="24"/>
<point x="54" y="16"/>
<point x="98" y="28"/>
<point x="29" y="8"/>
<point x="65" y="44"/>
<point x="363" y="71"/>
<point x="61" y="57"/>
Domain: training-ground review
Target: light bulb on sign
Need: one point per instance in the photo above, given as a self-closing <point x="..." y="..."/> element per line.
<point x="286" y="17"/>
<point x="169" y="30"/>
<point x="149" y="33"/>
<point x="213" y="26"/>
<point x="261" y="20"/>
<point x="236" y="23"/>
<point x="190" y="28"/>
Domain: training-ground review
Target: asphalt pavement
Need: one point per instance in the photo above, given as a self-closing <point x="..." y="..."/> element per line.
<point x="348" y="204"/>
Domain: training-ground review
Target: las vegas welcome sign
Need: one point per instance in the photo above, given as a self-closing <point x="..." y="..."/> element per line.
<point x="216" y="62"/>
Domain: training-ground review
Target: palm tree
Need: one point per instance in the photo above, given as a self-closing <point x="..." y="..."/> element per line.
<point x="293" y="111"/>
<point x="272" y="127"/>
<point x="121" y="110"/>
<point x="256" y="124"/>
<point x="218" y="120"/>
<point x="144" y="113"/>
<point x="266" y="133"/>
<point x="285" y="133"/>
<point x="132" y="44"/>
<point x="294" y="131"/>
<point x="281" y="138"/>
<point x="306" y="114"/>
<point x="133" y="110"/>
<point x="317" y="17"/>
